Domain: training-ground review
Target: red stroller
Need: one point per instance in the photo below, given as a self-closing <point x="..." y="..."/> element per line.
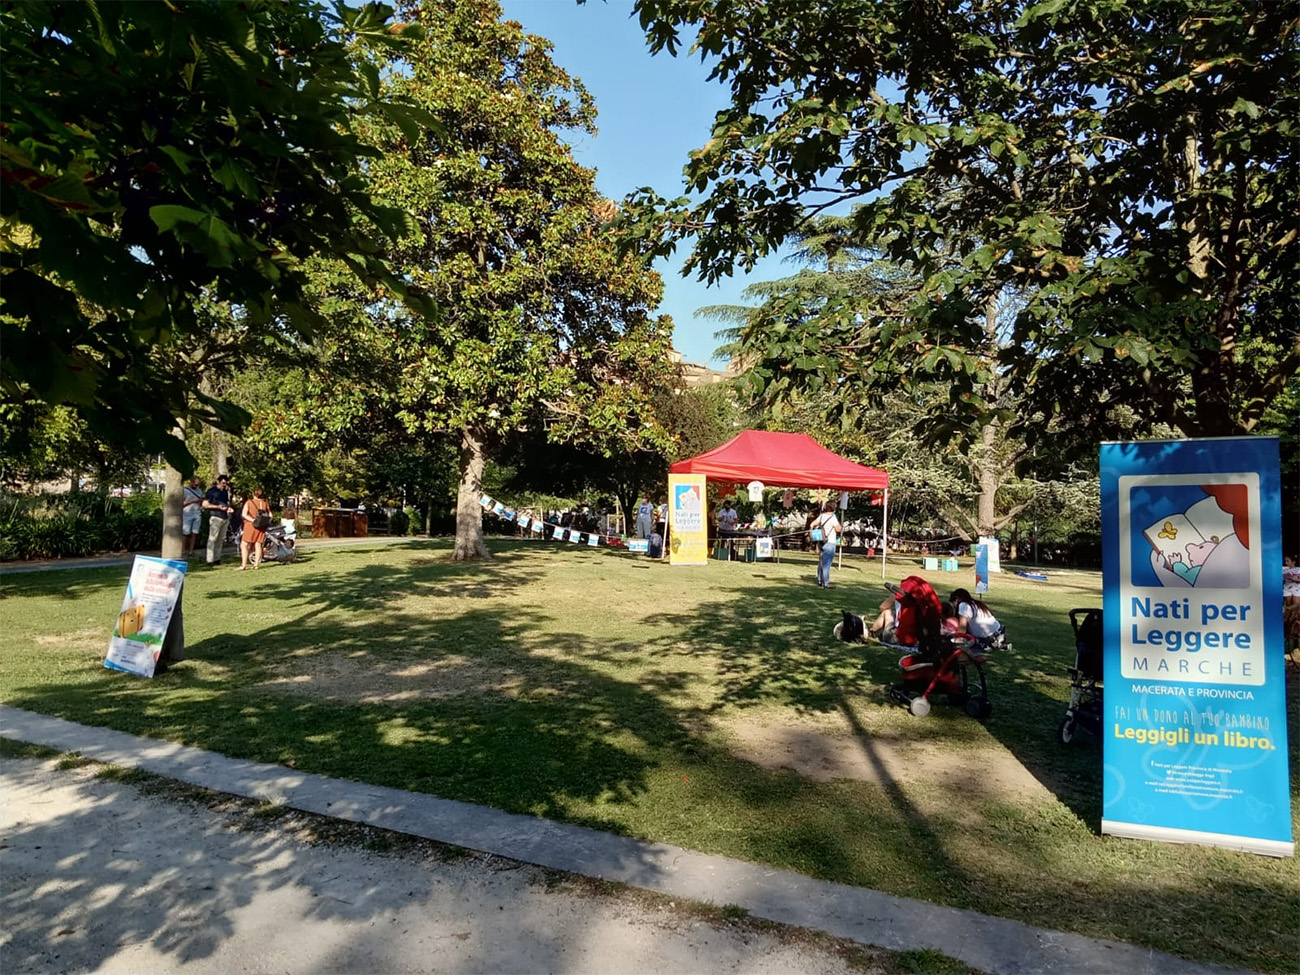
<point x="937" y="661"/>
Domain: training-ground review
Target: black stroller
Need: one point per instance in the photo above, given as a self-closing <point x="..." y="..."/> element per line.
<point x="1085" y="676"/>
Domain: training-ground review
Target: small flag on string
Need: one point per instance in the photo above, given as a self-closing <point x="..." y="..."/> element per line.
<point x="593" y="540"/>
<point x="638" y="544"/>
<point x="538" y="526"/>
<point x="485" y="501"/>
<point x="558" y="533"/>
<point x="575" y="536"/>
<point x="508" y="514"/>
<point x="524" y="521"/>
<point x="498" y="507"/>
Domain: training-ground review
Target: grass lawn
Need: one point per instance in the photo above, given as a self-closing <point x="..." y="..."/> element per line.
<point x="707" y="707"/>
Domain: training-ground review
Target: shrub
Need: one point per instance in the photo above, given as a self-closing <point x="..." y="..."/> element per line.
<point x="414" y="520"/>
<point x="399" y="523"/>
<point x="144" y="503"/>
<point x="74" y="526"/>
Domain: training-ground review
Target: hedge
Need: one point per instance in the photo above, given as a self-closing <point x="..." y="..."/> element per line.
<point x="76" y="525"/>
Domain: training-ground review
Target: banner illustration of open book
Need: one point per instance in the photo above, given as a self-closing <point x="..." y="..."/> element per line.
<point x="1206" y="542"/>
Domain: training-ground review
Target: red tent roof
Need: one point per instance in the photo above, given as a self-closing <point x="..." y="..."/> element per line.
<point x="782" y="460"/>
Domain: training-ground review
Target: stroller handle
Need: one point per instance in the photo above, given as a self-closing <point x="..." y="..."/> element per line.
<point x="1077" y="616"/>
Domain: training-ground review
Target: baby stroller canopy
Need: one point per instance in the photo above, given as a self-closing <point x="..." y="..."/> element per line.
<point x="920" y="613"/>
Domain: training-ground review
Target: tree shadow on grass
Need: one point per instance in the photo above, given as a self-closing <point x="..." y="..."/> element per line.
<point x="525" y="717"/>
<point x="65" y="583"/>
<point x="528" y="734"/>
<point x="777" y="647"/>
<point x="494" y="708"/>
<point x="373" y="586"/>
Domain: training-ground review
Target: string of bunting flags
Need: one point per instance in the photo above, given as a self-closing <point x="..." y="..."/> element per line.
<point x="543" y="529"/>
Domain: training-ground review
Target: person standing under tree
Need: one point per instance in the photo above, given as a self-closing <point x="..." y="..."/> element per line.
<point x="191" y="515"/>
<point x="645" y="517"/>
<point x="828" y="524"/>
<point x="217" y="504"/>
<point x="257" y="519"/>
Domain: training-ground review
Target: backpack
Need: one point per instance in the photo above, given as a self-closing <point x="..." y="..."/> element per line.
<point x="822" y="530"/>
<point x="656" y="547"/>
<point x="853" y="630"/>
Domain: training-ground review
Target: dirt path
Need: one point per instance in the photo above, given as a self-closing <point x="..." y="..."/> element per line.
<point x="116" y="877"/>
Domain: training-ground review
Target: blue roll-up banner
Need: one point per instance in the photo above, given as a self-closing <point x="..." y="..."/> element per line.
<point x="1195" y="698"/>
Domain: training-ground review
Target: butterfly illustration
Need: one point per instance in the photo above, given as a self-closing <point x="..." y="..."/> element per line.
<point x="1258" y="811"/>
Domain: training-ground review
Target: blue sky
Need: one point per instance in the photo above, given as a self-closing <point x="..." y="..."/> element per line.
<point x="653" y="111"/>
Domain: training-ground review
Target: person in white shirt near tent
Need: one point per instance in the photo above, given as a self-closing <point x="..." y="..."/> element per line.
<point x="645" y="517"/>
<point x="728" y="518"/>
<point x="827" y="524"/>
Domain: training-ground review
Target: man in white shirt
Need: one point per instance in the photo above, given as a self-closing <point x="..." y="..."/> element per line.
<point x="728" y="518"/>
<point x="191" y="514"/>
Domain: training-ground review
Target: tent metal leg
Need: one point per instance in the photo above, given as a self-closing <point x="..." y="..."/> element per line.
<point x="884" y="535"/>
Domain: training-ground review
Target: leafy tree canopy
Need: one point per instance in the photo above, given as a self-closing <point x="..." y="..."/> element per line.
<point x="1128" y="166"/>
<point x="153" y="153"/>
<point x="542" y="324"/>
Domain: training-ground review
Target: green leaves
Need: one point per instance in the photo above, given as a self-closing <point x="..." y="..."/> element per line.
<point x="541" y="323"/>
<point x="1122" y="163"/>
<point x="205" y="232"/>
<point x="157" y="155"/>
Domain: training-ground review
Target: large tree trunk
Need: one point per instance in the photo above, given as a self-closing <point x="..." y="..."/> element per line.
<point x="988" y="479"/>
<point x="220" y="439"/>
<point x="627" y="498"/>
<point x="220" y="452"/>
<point x="469" y="513"/>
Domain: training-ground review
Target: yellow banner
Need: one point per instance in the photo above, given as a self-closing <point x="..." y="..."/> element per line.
<point x="688" y="534"/>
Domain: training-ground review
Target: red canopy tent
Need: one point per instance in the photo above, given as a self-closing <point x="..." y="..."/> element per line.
<point x="786" y="460"/>
<point x="782" y="460"/>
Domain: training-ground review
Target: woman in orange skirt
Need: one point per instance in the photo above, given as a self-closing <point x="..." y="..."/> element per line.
<point x="253" y="537"/>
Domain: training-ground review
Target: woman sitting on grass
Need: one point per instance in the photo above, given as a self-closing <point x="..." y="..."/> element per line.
<point x="974" y="616"/>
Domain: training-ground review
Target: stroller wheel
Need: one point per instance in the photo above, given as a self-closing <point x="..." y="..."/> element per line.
<point x="920" y="706"/>
<point x="978" y="708"/>
<point x="1065" y="733"/>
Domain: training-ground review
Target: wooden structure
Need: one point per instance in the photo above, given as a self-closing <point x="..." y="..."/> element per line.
<point x="339" y="523"/>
